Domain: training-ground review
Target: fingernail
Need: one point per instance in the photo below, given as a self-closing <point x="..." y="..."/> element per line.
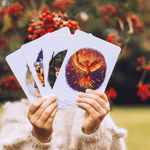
<point x="87" y="90"/>
<point x="54" y="96"/>
<point x="78" y="99"/>
<point x="80" y="93"/>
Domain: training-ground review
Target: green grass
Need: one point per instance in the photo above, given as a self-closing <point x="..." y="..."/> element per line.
<point x="136" y="120"/>
<point x="1" y="113"/>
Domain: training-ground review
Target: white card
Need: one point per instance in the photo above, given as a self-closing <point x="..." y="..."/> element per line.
<point x="33" y="53"/>
<point x="19" y="67"/>
<point x="55" y="48"/>
<point x="88" y="64"/>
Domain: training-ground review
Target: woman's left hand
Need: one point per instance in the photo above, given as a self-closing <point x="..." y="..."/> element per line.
<point x="97" y="107"/>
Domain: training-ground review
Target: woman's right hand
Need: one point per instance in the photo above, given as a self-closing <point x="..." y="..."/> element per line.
<point x="41" y="115"/>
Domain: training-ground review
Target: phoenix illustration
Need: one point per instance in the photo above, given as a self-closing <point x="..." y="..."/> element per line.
<point x="86" y="69"/>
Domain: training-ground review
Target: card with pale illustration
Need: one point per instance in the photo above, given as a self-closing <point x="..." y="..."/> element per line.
<point x="88" y="64"/>
<point x="19" y="67"/>
<point x="55" y="49"/>
<point x="33" y="53"/>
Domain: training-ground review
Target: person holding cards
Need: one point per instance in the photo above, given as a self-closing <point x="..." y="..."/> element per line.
<point x="90" y="128"/>
<point x="77" y="118"/>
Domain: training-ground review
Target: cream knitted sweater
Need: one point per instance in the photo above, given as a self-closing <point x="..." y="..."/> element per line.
<point x="15" y="133"/>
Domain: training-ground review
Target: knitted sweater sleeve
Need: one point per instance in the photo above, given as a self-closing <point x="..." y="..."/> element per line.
<point x="108" y="136"/>
<point x="16" y="130"/>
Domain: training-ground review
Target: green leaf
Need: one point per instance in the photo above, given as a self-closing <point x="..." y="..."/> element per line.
<point x="7" y="24"/>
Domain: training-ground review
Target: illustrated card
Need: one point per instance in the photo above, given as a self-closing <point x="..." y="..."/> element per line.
<point x="33" y="53"/>
<point x="21" y="70"/>
<point x="88" y="64"/>
<point x="19" y="67"/>
<point x="55" y="49"/>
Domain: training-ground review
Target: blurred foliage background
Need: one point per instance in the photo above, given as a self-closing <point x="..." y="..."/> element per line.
<point x="122" y="22"/>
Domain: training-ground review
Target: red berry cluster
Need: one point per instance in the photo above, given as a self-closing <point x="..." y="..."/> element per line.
<point x="50" y="22"/>
<point x="111" y="94"/>
<point x="2" y="14"/>
<point x="15" y="9"/>
<point x="111" y="39"/>
<point x="63" y="4"/>
<point x="142" y="61"/>
<point x="107" y="11"/>
<point x="144" y="92"/>
<point x="44" y="8"/>
<point x="138" y="27"/>
<point x="10" y="83"/>
<point x="72" y="25"/>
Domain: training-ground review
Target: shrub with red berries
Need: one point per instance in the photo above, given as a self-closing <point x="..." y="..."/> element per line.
<point x="44" y="8"/>
<point x="15" y="9"/>
<point x="111" y="39"/>
<point x="144" y="92"/>
<point x="62" y="5"/>
<point x="10" y="84"/>
<point x="111" y="94"/>
<point x="142" y="61"/>
<point x="72" y="25"/>
<point x="144" y="89"/>
<point x="3" y="12"/>
<point x="110" y="14"/>
<point x="109" y="20"/>
<point x="107" y="12"/>
<point x="49" y="22"/>
<point x="138" y="27"/>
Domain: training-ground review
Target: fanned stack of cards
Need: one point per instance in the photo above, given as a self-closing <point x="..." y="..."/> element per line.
<point x="63" y="64"/>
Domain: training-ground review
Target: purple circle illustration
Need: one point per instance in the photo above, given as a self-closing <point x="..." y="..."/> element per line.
<point x="85" y="69"/>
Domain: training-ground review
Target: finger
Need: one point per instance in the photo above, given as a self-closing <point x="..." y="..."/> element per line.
<point x="99" y="93"/>
<point x="35" y="105"/>
<point x="51" y="118"/>
<point x="44" y="105"/>
<point x="48" y="112"/>
<point x="90" y="102"/>
<point x="89" y="109"/>
<point x="94" y="114"/>
<point x="95" y="97"/>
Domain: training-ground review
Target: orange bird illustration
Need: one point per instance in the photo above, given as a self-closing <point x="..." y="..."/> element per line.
<point x="87" y="65"/>
<point x="90" y="64"/>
